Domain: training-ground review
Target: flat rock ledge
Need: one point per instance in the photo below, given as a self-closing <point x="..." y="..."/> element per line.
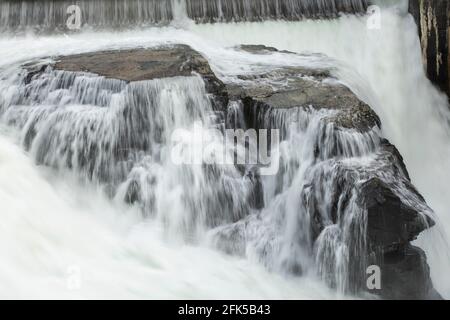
<point x="141" y="64"/>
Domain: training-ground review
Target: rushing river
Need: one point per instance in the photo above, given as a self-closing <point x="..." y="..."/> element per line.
<point x="63" y="237"/>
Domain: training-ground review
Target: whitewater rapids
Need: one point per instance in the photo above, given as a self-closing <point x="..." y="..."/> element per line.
<point x="51" y="226"/>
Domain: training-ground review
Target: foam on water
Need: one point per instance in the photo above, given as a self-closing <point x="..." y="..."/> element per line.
<point x="382" y="66"/>
<point x="54" y="230"/>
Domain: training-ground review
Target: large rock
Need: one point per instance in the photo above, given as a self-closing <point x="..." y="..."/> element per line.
<point x="142" y="64"/>
<point x="396" y="212"/>
<point x="138" y="64"/>
<point x="52" y="14"/>
<point x="392" y="220"/>
<point x="406" y="275"/>
<point x="432" y="18"/>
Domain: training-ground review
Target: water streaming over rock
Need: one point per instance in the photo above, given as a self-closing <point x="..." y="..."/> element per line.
<point x="310" y="220"/>
<point x="52" y="14"/>
<point x="315" y="217"/>
<point x="120" y="134"/>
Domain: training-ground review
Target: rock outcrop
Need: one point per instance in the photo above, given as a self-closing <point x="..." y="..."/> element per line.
<point x="396" y="212"/>
<point x="141" y="64"/>
<point x="432" y="18"/>
<point x="407" y="269"/>
<point x="393" y="211"/>
<point x="49" y="15"/>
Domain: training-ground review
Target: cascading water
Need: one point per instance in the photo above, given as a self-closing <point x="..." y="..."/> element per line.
<point x="52" y="14"/>
<point x="111" y="132"/>
<point x="116" y="137"/>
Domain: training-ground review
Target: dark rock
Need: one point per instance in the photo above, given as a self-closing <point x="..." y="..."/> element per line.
<point x="391" y="222"/>
<point x="392" y="155"/>
<point x="147" y="64"/>
<point x="256" y="196"/>
<point x="51" y="15"/>
<point x="138" y="64"/>
<point x="405" y="275"/>
<point x="34" y="70"/>
<point x="301" y="88"/>
<point x="133" y="193"/>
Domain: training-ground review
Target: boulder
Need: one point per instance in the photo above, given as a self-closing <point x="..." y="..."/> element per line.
<point x="141" y="64"/>
<point x="300" y="87"/>
<point x="392" y="223"/>
<point x="432" y="18"/>
<point x="395" y="211"/>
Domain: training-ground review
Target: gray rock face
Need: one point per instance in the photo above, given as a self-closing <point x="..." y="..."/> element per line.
<point x="138" y="64"/>
<point x="392" y="222"/>
<point x="405" y="275"/>
<point x="394" y="208"/>
<point x="49" y="15"/>
<point x="432" y="18"/>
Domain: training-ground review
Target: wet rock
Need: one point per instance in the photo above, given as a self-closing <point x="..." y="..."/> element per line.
<point x="392" y="223"/>
<point x="143" y="64"/>
<point x="34" y="70"/>
<point x="395" y="212"/>
<point x="256" y="195"/>
<point x="432" y="18"/>
<point x="300" y="87"/>
<point x="51" y="15"/>
<point x="405" y="275"/>
<point x="132" y="194"/>
<point x="260" y="49"/>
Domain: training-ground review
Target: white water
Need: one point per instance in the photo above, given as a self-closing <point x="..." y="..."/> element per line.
<point x="61" y="225"/>
<point x="51" y="228"/>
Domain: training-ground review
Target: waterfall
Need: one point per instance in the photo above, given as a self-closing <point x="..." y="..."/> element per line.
<point x="119" y="135"/>
<point x="88" y="179"/>
<point x="52" y="14"/>
<point x="313" y="220"/>
<point x="414" y="115"/>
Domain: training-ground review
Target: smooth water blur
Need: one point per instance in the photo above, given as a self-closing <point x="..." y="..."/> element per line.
<point x="384" y="68"/>
<point x="63" y="240"/>
<point x="58" y="226"/>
